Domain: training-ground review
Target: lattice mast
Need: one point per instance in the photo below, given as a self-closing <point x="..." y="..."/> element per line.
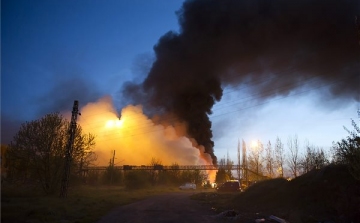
<point x="357" y="24"/>
<point x="69" y="149"/>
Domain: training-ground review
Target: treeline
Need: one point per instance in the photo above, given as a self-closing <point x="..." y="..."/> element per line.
<point x="285" y="159"/>
<point x="36" y="157"/>
<point x="136" y="179"/>
<point x="257" y="162"/>
<point x="37" y="153"/>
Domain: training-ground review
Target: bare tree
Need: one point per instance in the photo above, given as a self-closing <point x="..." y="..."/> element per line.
<point x="321" y="158"/>
<point x="238" y="161"/>
<point x="221" y="175"/>
<point x="83" y="150"/>
<point x="38" y="149"/>
<point x="293" y="159"/>
<point x="314" y="158"/>
<point x="154" y="173"/>
<point x="269" y="160"/>
<point x="175" y="173"/>
<point x="347" y="151"/>
<point x="255" y="159"/>
<point x="229" y="164"/>
<point x="279" y="156"/>
<point x="306" y="160"/>
<point x="244" y="163"/>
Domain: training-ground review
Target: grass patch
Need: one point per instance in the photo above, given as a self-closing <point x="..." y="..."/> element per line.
<point x="84" y="204"/>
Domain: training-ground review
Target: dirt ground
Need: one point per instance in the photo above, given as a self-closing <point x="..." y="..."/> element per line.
<point x="330" y="194"/>
<point x="174" y="207"/>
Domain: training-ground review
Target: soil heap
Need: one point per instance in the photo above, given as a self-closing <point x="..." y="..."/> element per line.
<point x="329" y="194"/>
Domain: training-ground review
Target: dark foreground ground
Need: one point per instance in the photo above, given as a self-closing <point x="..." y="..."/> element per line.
<point x="176" y="207"/>
<point x="329" y="195"/>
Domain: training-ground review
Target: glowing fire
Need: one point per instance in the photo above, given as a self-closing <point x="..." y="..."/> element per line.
<point x="114" y="123"/>
<point x="136" y="138"/>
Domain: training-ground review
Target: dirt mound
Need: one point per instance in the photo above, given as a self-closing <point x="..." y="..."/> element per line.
<point x="328" y="194"/>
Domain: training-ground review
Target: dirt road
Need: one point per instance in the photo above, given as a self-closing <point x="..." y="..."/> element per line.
<point x="174" y="207"/>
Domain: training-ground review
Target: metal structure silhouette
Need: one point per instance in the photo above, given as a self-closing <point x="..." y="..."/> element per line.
<point x="85" y="170"/>
<point x="69" y="149"/>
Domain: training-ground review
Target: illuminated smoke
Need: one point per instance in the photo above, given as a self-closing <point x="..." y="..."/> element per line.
<point x="277" y="46"/>
<point x="135" y="138"/>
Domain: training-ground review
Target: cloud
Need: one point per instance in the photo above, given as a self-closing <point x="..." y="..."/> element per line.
<point x="61" y="96"/>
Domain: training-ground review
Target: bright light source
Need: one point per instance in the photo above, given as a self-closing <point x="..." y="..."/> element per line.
<point x="113" y="123"/>
<point x="118" y="123"/>
<point x="254" y="144"/>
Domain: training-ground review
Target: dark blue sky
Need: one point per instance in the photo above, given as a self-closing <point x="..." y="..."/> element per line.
<point x="46" y="44"/>
<point x="54" y="52"/>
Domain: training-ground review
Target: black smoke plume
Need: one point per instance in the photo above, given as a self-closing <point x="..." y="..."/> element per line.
<point x="231" y="42"/>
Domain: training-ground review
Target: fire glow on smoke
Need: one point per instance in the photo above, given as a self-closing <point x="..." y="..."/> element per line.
<point x="135" y="137"/>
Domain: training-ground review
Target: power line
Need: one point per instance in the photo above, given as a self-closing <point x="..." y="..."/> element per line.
<point x="264" y="94"/>
<point x="117" y="136"/>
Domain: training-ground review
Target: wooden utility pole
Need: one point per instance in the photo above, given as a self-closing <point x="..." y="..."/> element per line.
<point x="112" y="168"/>
<point x="113" y="159"/>
<point x="69" y="149"/>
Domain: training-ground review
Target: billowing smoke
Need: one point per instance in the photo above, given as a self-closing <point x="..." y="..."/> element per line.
<point x="135" y="138"/>
<point x="283" y="44"/>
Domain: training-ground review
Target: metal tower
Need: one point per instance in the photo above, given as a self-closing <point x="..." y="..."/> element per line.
<point x="69" y="149"/>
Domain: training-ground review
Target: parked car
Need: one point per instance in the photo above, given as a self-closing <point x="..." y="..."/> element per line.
<point x="187" y="186"/>
<point x="229" y="186"/>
